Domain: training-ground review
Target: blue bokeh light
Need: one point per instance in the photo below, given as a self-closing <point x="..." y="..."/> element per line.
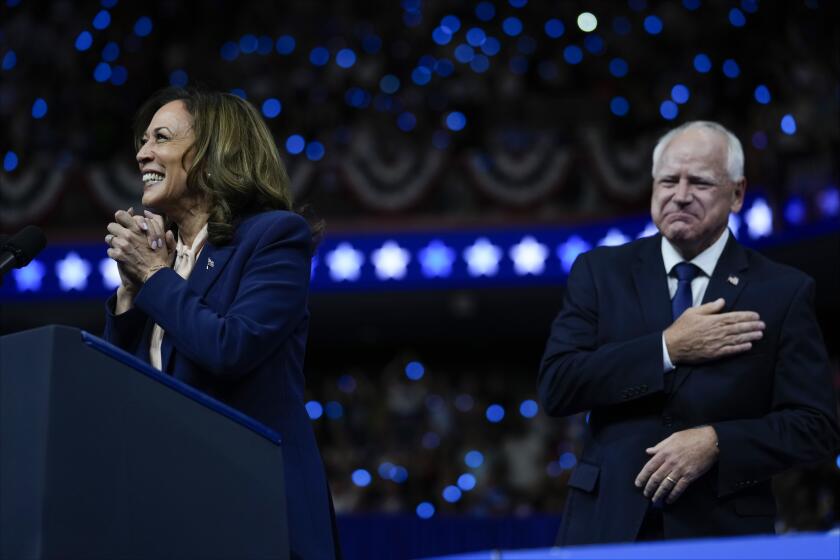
<point x="485" y="11"/>
<point x="594" y="43"/>
<point x="573" y="54"/>
<point x="619" y="106"/>
<point x="265" y="45"/>
<point x="491" y="46"/>
<point x="83" y="42"/>
<point x="119" y="75"/>
<point x="464" y="53"/>
<point x="518" y="65"/>
<point x="466" y="482"/>
<point x="518" y="3"/>
<point x="762" y="94"/>
<point x="619" y="67"/>
<point x="102" y="72"/>
<point x="143" y="26"/>
<point x="319" y="56"/>
<point x="451" y="494"/>
<point x="229" y="51"/>
<point x="421" y="75"/>
<point x="737" y="18"/>
<point x="334" y="410"/>
<point x="361" y="478"/>
<point x="425" y="510"/>
<point x="731" y="68"/>
<point x="108" y="3"/>
<point x="295" y="144"/>
<point x="102" y="20"/>
<point x="495" y="413"/>
<point x="529" y="408"/>
<point x="110" y="52"/>
<point x="788" y="124"/>
<point x="315" y="151"/>
<point x="10" y="161"/>
<point x="39" y="108"/>
<point x="680" y="94"/>
<point x="480" y="63"/>
<point x="795" y="211"/>
<point x="415" y="371"/>
<point x="345" y="58"/>
<point x="554" y="28"/>
<point x="567" y="460"/>
<point x="691" y="5"/>
<point x="474" y="459"/>
<point x="389" y="84"/>
<point x="759" y="140"/>
<point x="441" y="35"/>
<point x="452" y="23"/>
<point x="669" y="110"/>
<point x="512" y="26"/>
<point x="476" y="36"/>
<point x="444" y="67"/>
<point x="271" y="107"/>
<point x="653" y="25"/>
<point x="702" y="63"/>
<point x="285" y="44"/>
<point x="178" y="78"/>
<point x="314" y="410"/>
<point x="455" y="121"/>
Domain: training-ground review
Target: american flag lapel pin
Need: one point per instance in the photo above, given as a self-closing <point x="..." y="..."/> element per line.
<point x="210" y="263"/>
<point x="733" y="280"/>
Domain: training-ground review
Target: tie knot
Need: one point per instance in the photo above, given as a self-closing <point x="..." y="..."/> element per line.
<point x="685" y="271"/>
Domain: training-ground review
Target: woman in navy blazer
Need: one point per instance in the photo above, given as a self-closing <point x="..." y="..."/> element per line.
<point x="215" y="277"/>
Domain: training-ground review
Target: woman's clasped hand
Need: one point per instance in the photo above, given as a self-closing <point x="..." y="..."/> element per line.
<point x="140" y="245"/>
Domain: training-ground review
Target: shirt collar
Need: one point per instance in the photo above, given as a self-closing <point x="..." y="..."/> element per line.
<point x="197" y="243"/>
<point x="705" y="261"/>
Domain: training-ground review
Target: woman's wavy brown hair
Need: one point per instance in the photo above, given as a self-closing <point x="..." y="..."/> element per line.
<point x="236" y="164"/>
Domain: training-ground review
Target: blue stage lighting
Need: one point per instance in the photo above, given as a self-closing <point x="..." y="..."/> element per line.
<point x="178" y="78"/>
<point x="619" y="67"/>
<point x="83" y="43"/>
<point x="680" y="94"/>
<point x="265" y="45"/>
<point x="119" y="75"/>
<point x="518" y="3"/>
<point x="143" y="26"/>
<point x="421" y="76"/>
<point x="319" y="56"/>
<point x="691" y="5"/>
<point x="495" y="413"/>
<point x="110" y="52"/>
<point x="271" y="107"/>
<point x="529" y="408"/>
<point x="702" y="63"/>
<point x="30" y="277"/>
<point x="389" y="84"/>
<point x="451" y="494"/>
<point x="788" y="124"/>
<point x="474" y="459"/>
<point x="334" y="410"/>
<point x="554" y="28"/>
<point x="285" y="44"/>
<point x="346" y="383"/>
<point x="102" y="20"/>
<point x="796" y="211"/>
<point x="480" y="64"/>
<point x="485" y="11"/>
<point x="229" y="51"/>
<point x="594" y="44"/>
<point x="10" y="161"/>
<point x="731" y="68"/>
<point x="466" y="482"/>
<point x="567" y="252"/>
<point x="436" y="259"/>
<point x="737" y="18"/>
<point x="512" y="26"/>
<point x="39" y="108"/>
<point x="108" y="3"/>
<point x="759" y="219"/>
<point x="361" y="478"/>
<point x="464" y="53"/>
<point x="415" y="371"/>
<point x="828" y="201"/>
<point x="749" y="6"/>
<point x="425" y="510"/>
<point x="345" y="58"/>
<point x="567" y="460"/>
<point x="239" y="92"/>
<point x="762" y="94"/>
<point x="619" y="106"/>
<point x="653" y="25"/>
<point x="573" y="54"/>
<point x="441" y="35"/>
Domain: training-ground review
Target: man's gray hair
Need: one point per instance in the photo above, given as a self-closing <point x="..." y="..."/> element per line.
<point x="734" y="151"/>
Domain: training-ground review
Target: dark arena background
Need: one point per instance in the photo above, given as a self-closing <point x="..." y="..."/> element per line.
<point x="461" y="155"/>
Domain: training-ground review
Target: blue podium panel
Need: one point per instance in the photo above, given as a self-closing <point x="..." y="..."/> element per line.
<point x="103" y="458"/>
<point x="785" y="547"/>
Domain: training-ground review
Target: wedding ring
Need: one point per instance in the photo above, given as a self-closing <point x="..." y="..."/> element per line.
<point x="109" y="238"/>
<point x="670" y="479"/>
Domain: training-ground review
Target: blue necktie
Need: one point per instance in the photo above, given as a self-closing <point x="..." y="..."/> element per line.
<point x="685" y="273"/>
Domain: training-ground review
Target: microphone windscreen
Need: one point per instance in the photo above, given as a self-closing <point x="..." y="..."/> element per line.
<point x="27" y="243"/>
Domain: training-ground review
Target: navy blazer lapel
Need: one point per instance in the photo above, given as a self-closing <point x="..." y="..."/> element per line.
<point x="727" y="282"/>
<point x="208" y="267"/>
<point x="652" y="284"/>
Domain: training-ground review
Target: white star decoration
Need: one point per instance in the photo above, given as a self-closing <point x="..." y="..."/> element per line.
<point x="482" y="258"/>
<point x="73" y="272"/>
<point x="529" y="256"/>
<point x="390" y="261"/>
<point x="29" y="278"/>
<point x="567" y="252"/>
<point x="436" y="259"/>
<point x="110" y="273"/>
<point x="613" y="238"/>
<point x="345" y="262"/>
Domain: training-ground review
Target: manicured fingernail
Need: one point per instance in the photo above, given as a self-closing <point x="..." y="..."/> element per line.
<point x="144" y="226"/>
<point x="154" y="245"/>
<point x="160" y="243"/>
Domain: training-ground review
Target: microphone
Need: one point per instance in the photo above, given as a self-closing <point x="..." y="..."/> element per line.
<point x="18" y="250"/>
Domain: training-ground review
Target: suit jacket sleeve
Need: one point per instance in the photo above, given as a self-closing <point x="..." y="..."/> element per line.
<point x="269" y="304"/>
<point x="126" y="329"/>
<point x="578" y="372"/>
<point x="802" y="424"/>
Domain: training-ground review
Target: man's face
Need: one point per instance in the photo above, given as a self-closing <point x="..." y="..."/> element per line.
<point x="692" y="193"/>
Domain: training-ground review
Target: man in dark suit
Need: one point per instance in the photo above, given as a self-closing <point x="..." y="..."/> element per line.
<point x="700" y="360"/>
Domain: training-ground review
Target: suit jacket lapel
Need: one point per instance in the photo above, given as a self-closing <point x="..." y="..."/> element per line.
<point x="652" y="285"/>
<point x="727" y="282"/>
<point x="208" y="267"/>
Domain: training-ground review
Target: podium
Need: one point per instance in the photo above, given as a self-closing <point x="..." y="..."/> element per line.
<point x="104" y="457"/>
